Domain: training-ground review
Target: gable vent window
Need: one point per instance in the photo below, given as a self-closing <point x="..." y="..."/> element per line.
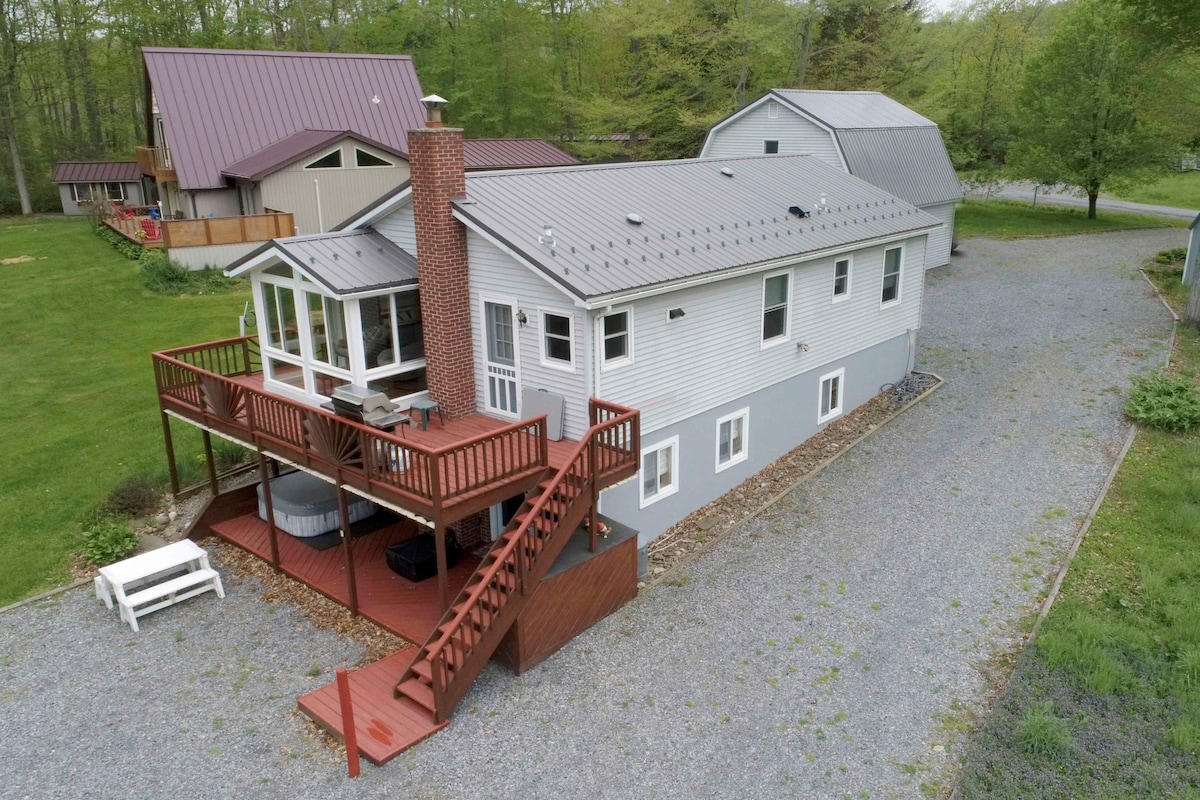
<point x="771" y="146"/>
<point x="330" y="161"/>
<point x="364" y="159"/>
<point x="772" y="110"/>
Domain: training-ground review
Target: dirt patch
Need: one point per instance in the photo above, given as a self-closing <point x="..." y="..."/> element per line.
<point x="17" y="260"/>
<point x="707" y="525"/>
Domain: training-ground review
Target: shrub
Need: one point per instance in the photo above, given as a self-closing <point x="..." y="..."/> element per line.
<point x="1165" y="400"/>
<point x="108" y="541"/>
<point x="122" y="245"/>
<point x="1039" y="731"/>
<point x="1175" y="256"/>
<point x="162" y="276"/>
<point x="134" y="497"/>
<point x="229" y="454"/>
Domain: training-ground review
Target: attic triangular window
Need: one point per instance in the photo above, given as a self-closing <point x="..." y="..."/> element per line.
<point x="364" y="159"/>
<point x="330" y="161"/>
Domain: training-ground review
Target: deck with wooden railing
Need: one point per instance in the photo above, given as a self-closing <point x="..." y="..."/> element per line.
<point x="152" y="232"/>
<point x="438" y="476"/>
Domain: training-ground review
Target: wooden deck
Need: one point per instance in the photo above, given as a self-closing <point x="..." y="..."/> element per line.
<point x="386" y="726"/>
<point x="409" y="610"/>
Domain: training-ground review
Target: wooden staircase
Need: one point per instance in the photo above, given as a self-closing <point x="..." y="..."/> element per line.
<point x="442" y="669"/>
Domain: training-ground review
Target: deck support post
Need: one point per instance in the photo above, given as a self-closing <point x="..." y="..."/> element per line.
<point x="270" y="506"/>
<point x="212" y="463"/>
<point x="172" y="468"/>
<point x="348" y="546"/>
<point x="439" y="539"/>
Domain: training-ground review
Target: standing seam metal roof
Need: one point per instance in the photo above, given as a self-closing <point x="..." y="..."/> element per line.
<point x="853" y="109"/>
<point x="696" y="220"/>
<point x="96" y="171"/>
<point x="348" y="262"/>
<point x="911" y="163"/>
<point x="220" y="106"/>
<point x="511" y="153"/>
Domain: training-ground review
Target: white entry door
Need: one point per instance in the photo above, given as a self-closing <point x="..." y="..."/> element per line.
<point x="502" y="368"/>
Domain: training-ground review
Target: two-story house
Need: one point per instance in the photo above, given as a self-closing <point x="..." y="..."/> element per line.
<point x="867" y="134"/>
<point x="681" y="323"/>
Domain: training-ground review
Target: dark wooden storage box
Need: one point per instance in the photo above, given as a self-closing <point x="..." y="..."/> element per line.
<point x="416" y="559"/>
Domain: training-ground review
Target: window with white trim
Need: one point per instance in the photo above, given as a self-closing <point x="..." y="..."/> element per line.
<point x="841" y="279"/>
<point x="280" y="304"/>
<point x="770" y="146"/>
<point x="772" y="109"/>
<point x="557" y="347"/>
<point x="617" y="332"/>
<point x="328" y="161"/>
<point x="892" y="260"/>
<point x="660" y="471"/>
<point x="82" y="192"/>
<point x="732" y="432"/>
<point x="830" y="402"/>
<point x="776" y="292"/>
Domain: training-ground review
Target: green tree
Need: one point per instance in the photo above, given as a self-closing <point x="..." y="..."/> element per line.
<point x="1080" y="123"/>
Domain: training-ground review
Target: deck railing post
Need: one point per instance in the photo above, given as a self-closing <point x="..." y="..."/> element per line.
<point x="348" y="732"/>
<point x="439" y="545"/>
<point x="172" y="469"/>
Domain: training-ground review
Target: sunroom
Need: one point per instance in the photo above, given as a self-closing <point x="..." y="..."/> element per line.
<point x="337" y="309"/>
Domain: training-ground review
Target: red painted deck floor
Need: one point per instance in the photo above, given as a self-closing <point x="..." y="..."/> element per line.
<point x="409" y="610"/>
<point x="386" y="726"/>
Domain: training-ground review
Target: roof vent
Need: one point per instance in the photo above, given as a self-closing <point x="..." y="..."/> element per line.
<point x="798" y="211"/>
<point x="634" y="219"/>
<point x="727" y="172"/>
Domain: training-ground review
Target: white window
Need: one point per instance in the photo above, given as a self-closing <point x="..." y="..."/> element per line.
<point x="364" y="159"/>
<point x="772" y="109"/>
<point x="660" y="471"/>
<point x="82" y="192"/>
<point x="732" y="432"/>
<point x="841" y="279"/>
<point x="892" y="260"/>
<point x="280" y="304"/>
<point x="770" y="146"/>
<point x="328" y="161"/>
<point x="557" y="347"/>
<point x="115" y="191"/>
<point x="831" y="396"/>
<point x="617" y="335"/>
<point x="776" y="292"/>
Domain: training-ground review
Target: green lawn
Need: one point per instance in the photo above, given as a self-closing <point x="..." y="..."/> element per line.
<point x="1106" y="702"/>
<point x="1006" y="219"/>
<point x="1178" y="189"/>
<point x="79" y="413"/>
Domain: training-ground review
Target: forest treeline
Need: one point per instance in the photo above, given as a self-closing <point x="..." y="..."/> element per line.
<point x="575" y="71"/>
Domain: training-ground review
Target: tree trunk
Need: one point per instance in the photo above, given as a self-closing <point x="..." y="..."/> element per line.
<point x="1092" y="204"/>
<point x="18" y="172"/>
<point x="805" y="48"/>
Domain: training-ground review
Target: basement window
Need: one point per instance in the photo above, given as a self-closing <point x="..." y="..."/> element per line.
<point x="731" y="438"/>
<point x="660" y="471"/>
<point x="831" y="396"/>
<point x="329" y="161"/>
<point x="364" y="159"/>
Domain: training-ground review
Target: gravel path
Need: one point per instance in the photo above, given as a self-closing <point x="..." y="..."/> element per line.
<point x="831" y="648"/>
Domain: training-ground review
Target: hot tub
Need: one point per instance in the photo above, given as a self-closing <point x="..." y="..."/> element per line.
<point x="307" y="506"/>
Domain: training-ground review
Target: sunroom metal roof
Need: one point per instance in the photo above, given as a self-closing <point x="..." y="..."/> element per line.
<point x="345" y="263"/>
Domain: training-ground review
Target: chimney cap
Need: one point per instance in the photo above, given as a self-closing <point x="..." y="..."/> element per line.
<point x="434" y="101"/>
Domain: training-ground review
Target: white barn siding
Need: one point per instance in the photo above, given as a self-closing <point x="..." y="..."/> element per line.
<point x="795" y="134"/>
<point x="712" y="356"/>
<point x="941" y="240"/>
<point x="497" y="276"/>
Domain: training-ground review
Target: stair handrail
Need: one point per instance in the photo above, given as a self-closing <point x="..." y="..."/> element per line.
<point x="436" y="649"/>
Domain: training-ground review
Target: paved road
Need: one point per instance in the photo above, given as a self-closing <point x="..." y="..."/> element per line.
<point x="828" y="649"/>
<point x="1024" y="191"/>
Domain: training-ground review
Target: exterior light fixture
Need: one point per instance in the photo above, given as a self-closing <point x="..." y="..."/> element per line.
<point x="521" y="318"/>
<point x="675" y="313"/>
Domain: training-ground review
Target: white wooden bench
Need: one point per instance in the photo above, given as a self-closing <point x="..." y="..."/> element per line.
<point x="138" y="586"/>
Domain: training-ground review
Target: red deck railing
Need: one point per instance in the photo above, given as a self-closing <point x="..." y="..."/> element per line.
<point x="199" y="383"/>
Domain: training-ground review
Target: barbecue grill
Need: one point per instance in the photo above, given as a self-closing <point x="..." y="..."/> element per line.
<point x="367" y="406"/>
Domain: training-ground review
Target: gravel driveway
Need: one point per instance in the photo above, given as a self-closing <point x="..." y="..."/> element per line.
<point x="830" y="648"/>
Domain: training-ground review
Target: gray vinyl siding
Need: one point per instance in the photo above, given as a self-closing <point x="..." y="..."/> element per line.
<point x="133" y="197"/>
<point x="212" y="203"/>
<point x="400" y="228"/>
<point x="781" y="417"/>
<point x="218" y="256"/>
<point x="712" y="355"/>
<point x="937" y="252"/>
<point x="796" y="135"/>
<point x="497" y="276"/>
<point x="344" y="190"/>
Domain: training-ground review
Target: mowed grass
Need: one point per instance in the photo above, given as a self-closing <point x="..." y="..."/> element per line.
<point x="1007" y="219"/>
<point x="1106" y="702"/>
<point x="78" y="412"/>
<point x="1178" y="189"/>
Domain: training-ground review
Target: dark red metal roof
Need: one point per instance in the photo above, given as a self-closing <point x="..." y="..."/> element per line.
<point x="510" y="153"/>
<point x="96" y="171"/>
<point x="258" y="165"/>
<point x="220" y="106"/>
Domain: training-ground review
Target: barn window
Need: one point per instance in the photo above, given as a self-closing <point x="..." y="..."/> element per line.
<point x="771" y="146"/>
<point x="364" y="159"/>
<point x="331" y="161"/>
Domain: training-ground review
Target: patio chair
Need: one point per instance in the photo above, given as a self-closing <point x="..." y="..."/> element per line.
<point x="151" y="229"/>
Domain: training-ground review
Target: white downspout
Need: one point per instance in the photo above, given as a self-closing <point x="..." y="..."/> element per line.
<point x="320" y="220"/>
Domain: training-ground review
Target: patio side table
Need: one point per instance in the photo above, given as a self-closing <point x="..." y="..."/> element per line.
<point x="425" y="407"/>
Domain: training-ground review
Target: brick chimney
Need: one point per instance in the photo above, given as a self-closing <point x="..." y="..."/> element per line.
<point x="436" y="166"/>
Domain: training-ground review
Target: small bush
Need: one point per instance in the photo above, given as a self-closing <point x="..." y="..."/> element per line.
<point x="108" y="541"/>
<point x="1164" y="400"/>
<point x="134" y="497"/>
<point x="228" y="455"/>
<point x="122" y="245"/>
<point x="160" y="275"/>
<point x="1039" y="731"/>
<point x="1175" y="256"/>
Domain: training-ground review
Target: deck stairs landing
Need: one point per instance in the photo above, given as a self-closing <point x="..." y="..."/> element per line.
<point x="438" y="673"/>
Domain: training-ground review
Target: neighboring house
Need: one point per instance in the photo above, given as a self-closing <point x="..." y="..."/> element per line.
<point x="317" y="135"/>
<point x="85" y="185"/>
<point x="684" y="322"/>
<point x="866" y="134"/>
<point x="1191" y="262"/>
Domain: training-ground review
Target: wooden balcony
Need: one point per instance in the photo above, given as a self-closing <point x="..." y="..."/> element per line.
<point x="148" y="232"/>
<point x="156" y="162"/>
<point x="440" y="475"/>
